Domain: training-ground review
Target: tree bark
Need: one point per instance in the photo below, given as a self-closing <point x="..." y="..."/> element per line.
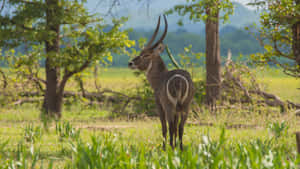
<point x="53" y="98"/>
<point x="298" y="141"/>
<point x="213" y="59"/>
<point x="296" y="39"/>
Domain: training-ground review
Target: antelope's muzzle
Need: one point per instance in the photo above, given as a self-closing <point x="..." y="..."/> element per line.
<point x="131" y="65"/>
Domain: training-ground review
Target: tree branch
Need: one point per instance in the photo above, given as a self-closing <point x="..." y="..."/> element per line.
<point x="2" y="7"/>
<point x="289" y="19"/>
<point x="96" y="77"/>
<point x="286" y="69"/>
<point x="30" y="2"/>
<point x="22" y="26"/>
<point x="291" y="74"/>
<point x="28" y="100"/>
<point x="4" y="79"/>
<point x="34" y="78"/>
<point x="38" y="81"/>
<point x="278" y="50"/>
<point x="68" y="74"/>
<point x="81" y="23"/>
<point x="114" y="3"/>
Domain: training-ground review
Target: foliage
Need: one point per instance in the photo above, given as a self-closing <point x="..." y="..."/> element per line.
<point x="146" y="103"/>
<point x="65" y="130"/>
<point x="80" y="45"/>
<point x="188" y="63"/>
<point x="198" y="10"/>
<point x="238" y="40"/>
<point x="32" y="133"/>
<point x="278" y="34"/>
<point x="278" y="129"/>
<point x="63" y="35"/>
<point x="245" y="81"/>
<point x="200" y="91"/>
<point x="24" y="158"/>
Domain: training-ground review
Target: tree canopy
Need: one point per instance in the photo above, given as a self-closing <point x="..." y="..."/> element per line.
<point x="280" y="34"/>
<point x="62" y="32"/>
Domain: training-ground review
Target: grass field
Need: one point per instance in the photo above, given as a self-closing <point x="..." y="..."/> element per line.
<point x="273" y="80"/>
<point x="87" y="138"/>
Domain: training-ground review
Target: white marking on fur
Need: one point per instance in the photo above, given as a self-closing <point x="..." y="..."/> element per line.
<point x="179" y="97"/>
<point x="149" y="68"/>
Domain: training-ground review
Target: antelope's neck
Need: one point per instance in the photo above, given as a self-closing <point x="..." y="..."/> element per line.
<point x="155" y="72"/>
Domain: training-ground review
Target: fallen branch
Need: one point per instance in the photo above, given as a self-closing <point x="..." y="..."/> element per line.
<point x="105" y="95"/>
<point x="28" y="100"/>
<point x="232" y="83"/>
<point x="227" y="126"/>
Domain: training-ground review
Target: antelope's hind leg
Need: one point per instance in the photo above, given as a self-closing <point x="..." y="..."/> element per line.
<point x="170" y="111"/>
<point x="171" y="132"/>
<point x="181" y="127"/>
<point x="175" y="127"/>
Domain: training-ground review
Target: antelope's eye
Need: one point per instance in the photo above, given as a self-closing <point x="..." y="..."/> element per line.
<point x="136" y="59"/>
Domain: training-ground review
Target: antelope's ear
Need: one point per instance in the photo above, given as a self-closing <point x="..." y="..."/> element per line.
<point x="159" y="49"/>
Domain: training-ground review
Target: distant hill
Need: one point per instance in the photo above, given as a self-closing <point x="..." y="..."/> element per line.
<point x="237" y="40"/>
<point x="142" y="19"/>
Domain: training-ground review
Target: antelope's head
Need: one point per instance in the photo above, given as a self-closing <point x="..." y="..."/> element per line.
<point x="144" y="60"/>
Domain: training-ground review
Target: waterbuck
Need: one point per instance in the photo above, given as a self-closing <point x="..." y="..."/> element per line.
<point x="173" y="90"/>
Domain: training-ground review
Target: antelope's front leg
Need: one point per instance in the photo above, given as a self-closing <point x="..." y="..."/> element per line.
<point x="164" y="130"/>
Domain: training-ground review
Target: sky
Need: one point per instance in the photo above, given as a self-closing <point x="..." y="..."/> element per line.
<point x="137" y="10"/>
<point x="102" y="6"/>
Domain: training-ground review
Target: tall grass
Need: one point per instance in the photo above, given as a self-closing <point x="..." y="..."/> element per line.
<point x="105" y="151"/>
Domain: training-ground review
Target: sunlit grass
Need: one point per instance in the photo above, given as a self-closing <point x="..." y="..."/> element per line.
<point x="276" y="82"/>
<point x="136" y="136"/>
<point x="132" y="139"/>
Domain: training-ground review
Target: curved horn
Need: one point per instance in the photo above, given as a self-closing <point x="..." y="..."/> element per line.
<point x="154" y="34"/>
<point x="163" y="36"/>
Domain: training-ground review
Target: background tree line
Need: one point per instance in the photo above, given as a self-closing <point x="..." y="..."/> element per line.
<point x="239" y="41"/>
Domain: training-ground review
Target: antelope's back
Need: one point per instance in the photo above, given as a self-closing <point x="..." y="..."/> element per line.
<point x="178" y="88"/>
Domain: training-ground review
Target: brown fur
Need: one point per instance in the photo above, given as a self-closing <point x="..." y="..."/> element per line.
<point x="179" y="81"/>
<point x="169" y="113"/>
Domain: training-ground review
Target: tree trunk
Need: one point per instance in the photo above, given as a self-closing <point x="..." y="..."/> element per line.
<point x="298" y="142"/>
<point x="213" y="59"/>
<point x="296" y="39"/>
<point x="53" y="97"/>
